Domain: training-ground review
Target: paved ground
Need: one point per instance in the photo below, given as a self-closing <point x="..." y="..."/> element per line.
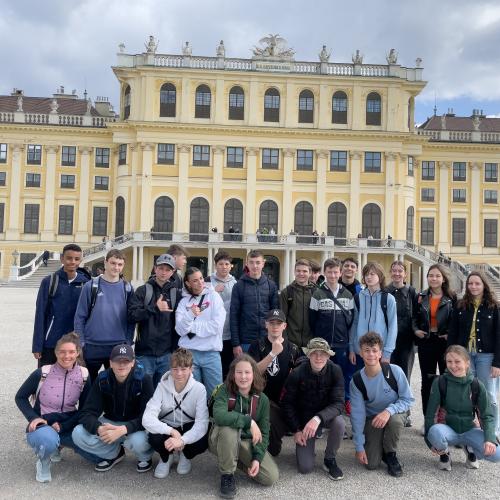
<point x="72" y="478"/>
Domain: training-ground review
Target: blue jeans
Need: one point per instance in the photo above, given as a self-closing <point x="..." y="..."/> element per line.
<point x="137" y="443"/>
<point x="441" y="436"/>
<point x="207" y="369"/>
<point x="341" y="359"/>
<point x="245" y="347"/>
<point x="156" y="366"/>
<point x="480" y="365"/>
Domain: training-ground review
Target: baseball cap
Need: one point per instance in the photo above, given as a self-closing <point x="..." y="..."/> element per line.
<point x="167" y="259"/>
<point x="276" y="314"/>
<point x="317" y="344"/>
<point x="122" y="351"/>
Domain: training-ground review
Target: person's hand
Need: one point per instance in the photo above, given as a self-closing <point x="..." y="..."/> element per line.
<point x="352" y="358"/>
<point x="162" y="305"/>
<point x="277" y="347"/>
<point x="56" y="427"/>
<point x="256" y="434"/>
<point x="36" y="421"/>
<point x="220" y="287"/>
<point x="237" y="351"/>
<point x="420" y="334"/>
<point x="37" y="355"/>
<point x="174" y="444"/>
<point x="495" y="372"/>
<point x="109" y="433"/>
<point x="174" y="433"/>
<point x="380" y="420"/>
<point x="195" y="310"/>
<point x="309" y="430"/>
<point x="437" y="452"/>
<point x="361" y="457"/>
<point x="253" y="470"/>
<point x="385" y="360"/>
<point x="489" y="449"/>
<point x="299" y="438"/>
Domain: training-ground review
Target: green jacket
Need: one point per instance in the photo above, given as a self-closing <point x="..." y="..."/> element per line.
<point x="240" y="418"/>
<point x="458" y="410"/>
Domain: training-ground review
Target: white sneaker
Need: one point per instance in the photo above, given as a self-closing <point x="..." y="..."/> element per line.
<point x="471" y="461"/>
<point x="163" y="468"/>
<point x="43" y="474"/>
<point x="184" y="465"/>
<point x="56" y="456"/>
<point x="444" y="462"/>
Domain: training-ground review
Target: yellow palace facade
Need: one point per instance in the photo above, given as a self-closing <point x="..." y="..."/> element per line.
<point x="301" y="159"/>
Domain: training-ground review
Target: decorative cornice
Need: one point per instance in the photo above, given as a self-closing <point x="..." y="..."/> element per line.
<point x="51" y="149"/>
<point x="252" y="151"/>
<point x="355" y="155"/>
<point x="289" y="153"/>
<point x="147" y="146"/>
<point x="444" y="165"/>
<point x="322" y="153"/>
<point x="391" y="155"/>
<point x="219" y="149"/>
<point x="475" y="166"/>
<point x="184" y="148"/>
<point x="85" y="150"/>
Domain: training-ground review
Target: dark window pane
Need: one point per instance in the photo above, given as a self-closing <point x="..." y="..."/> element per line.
<point x="491" y="196"/>
<point x="491" y="172"/>
<point x="338" y="161"/>
<point x="67" y="181"/>
<point x="373" y="109"/>
<point x="119" y="216"/>
<point x="458" y="232"/>
<point x="337" y="220"/>
<point x="373" y="162"/>
<point x="3" y="177"/>
<point x="126" y="103"/>
<point x="410" y="166"/>
<point x="203" y="99"/>
<point x="66" y="219"/>
<point x="101" y="183"/>
<point x="122" y="154"/>
<point x="234" y="157"/>
<point x="3" y="153"/>
<point x="163" y="218"/>
<point x="233" y="220"/>
<point x="199" y="218"/>
<point x="427" y="194"/>
<point x="2" y="217"/>
<point x="490" y="233"/>
<point x="102" y="157"/>
<point x="68" y="156"/>
<point x="32" y="180"/>
<point x="270" y="158"/>
<point x="166" y="154"/>
<point x="428" y="170"/>
<point x="306" y="107"/>
<point x="371" y="224"/>
<point x="410" y="223"/>
<point x="268" y="215"/>
<point x="272" y="106"/>
<point x="34" y="154"/>
<point x="339" y="107"/>
<point x="459" y="195"/>
<point x="31" y="218"/>
<point x="100" y="221"/>
<point x="167" y="100"/>
<point x="304" y="159"/>
<point x="201" y="156"/>
<point x="304" y="221"/>
<point x="236" y="104"/>
<point x="459" y="171"/>
<point x="427" y="231"/>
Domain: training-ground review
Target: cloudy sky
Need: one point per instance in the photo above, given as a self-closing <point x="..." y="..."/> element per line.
<point x="44" y="44"/>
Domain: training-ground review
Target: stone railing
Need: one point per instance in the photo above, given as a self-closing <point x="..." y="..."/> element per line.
<point x="460" y="136"/>
<point x="56" y="119"/>
<point x="6" y="117"/>
<point x="36" y="118"/>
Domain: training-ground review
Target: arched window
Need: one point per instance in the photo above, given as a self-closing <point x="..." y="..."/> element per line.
<point x="236" y="104"/>
<point x="339" y="107"/>
<point x="119" y="216"/>
<point x="203" y="100"/>
<point x="304" y="221"/>
<point x="268" y="216"/>
<point x="337" y="220"/>
<point x="373" y="109"/>
<point x="272" y="106"/>
<point x="410" y="224"/>
<point x="163" y="224"/>
<point x="233" y="220"/>
<point x="126" y="102"/>
<point x="306" y="107"/>
<point x="198" y="220"/>
<point x="371" y="222"/>
<point x="168" y="97"/>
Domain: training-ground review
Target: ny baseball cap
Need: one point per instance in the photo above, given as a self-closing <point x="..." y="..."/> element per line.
<point x="166" y="259"/>
<point x="123" y="351"/>
<point x="317" y="344"/>
<point x="276" y="315"/>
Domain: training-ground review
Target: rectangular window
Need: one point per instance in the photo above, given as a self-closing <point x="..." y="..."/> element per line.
<point x="373" y="162"/>
<point x="459" y="195"/>
<point x="304" y="159"/>
<point x="428" y="194"/>
<point x="201" y="156"/>
<point x="31" y="217"/>
<point x="67" y="181"/>
<point x="491" y="196"/>
<point x="68" y="156"/>
<point x="234" y="157"/>
<point x="100" y="221"/>
<point x="3" y="153"/>
<point x="270" y="158"/>
<point x="2" y="216"/>
<point x="66" y="219"/>
<point x="490" y="233"/>
<point x="459" y="171"/>
<point x="338" y="161"/>
<point x="411" y="169"/>
<point x="458" y="232"/>
<point x="166" y="154"/>
<point x="32" y="180"/>
<point x="122" y="154"/>
<point x="428" y="170"/>
<point x="34" y="154"/>
<point x="102" y="157"/>
<point x="3" y="177"/>
<point x="427" y="231"/>
<point x="491" y="172"/>
<point x="101" y="183"/>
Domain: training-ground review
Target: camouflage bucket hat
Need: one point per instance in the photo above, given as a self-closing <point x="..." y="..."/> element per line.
<point x="317" y="344"/>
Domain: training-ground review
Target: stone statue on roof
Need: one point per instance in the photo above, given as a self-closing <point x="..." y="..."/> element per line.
<point x="392" y="57"/>
<point x="221" y="50"/>
<point x="152" y="45"/>
<point x="54" y="106"/>
<point x="476" y="121"/>
<point x="357" y="58"/>
<point x="121" y="48"/>
<point x="187" y="50"/>
<point x="20" y="104"/>
<point x="324" y="55"/>
<point x="89" y="107"/>
<point x="418" y="62"/>
<point x="273" y="46"/>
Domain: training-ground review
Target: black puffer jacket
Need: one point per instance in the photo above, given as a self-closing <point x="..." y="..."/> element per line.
<point x="406" y="306"/>
<point x="422" y="318"/>
<point x="308" y="394"/>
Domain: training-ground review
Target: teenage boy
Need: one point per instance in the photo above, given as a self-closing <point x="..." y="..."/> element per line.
<point x="294" y="302"/>
<point x="348" y="276"/>
<point x="254" y="295"/>
<point x="316" y="277"/>
<point x="101" y="315"/>
<point x="314" y="398"/>
<point x="56" y="304"/>
<point x="380" y="397"/>
<point x="275" y="356"/>
<point x="331" y="314"/>
<point x="111" y="419"/>
<point x="223" y="281"/>
<point x="153" y="307"/>
<point x="179" y="253"/>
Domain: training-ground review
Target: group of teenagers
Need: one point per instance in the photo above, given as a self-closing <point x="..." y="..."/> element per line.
<point x="187" y="363"/>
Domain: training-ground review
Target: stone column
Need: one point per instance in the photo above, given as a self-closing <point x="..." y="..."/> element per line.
<point x="146" y="186"/>
<point x="320" y="210"/>
<point x="443" y="214"/>
<point x="140" y="277"/>
<point x="287" y="216"/>
<point x="354" y="208"/>
<point x="217" y="205"/>
<point x="250" y="217"/>
<point x="390" y="181"/>
<point x="47" y="233"/>
<point x="476" y="225"/>
<point x="286" y="271"/>
<point x="134" y="262"/>
<point x="182" y="206"/>
<point x="84" y="216"/>
<point x="210" y="260"/>
<point x="12" y="231"/>
<point x="134" y="163"/>
<point x="291" y="270"/>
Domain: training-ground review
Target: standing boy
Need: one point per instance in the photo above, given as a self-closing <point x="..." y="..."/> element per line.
<point x="348" y="277"/>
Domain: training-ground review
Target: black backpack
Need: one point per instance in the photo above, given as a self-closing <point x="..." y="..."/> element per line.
<point x="388" y="375"/>
<point x="383" y="305"/>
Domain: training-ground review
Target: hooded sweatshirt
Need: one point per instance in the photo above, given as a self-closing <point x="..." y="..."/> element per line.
<point x="169" y="409"/>
<point x="225" y="295"/>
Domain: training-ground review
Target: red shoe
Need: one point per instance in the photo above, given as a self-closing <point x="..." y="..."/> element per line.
<point x="347" y="407"/>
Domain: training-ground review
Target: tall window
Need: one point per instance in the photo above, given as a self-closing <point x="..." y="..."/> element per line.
<point x="490" y="233"/>
<point x="102" y="157"/>
<point x="65" y="219"/>
<point x="234" y="157"/>
<point x="491" y="196"/>
<point x="100" y="221"/>
<point x="338" y="161"/>
<point x="236" y="103"/>
<point x="410" y="224"/>
<point x="32" y="180"/>
<point x="3" y="153"/>
<point x="270" y="158"/>
<point x="304" y="221"/>
<point x="371" y="224"/>
<point x="339" y="107"/>
<point x="166" y="154"/>
<point x="2" y="217"/>
<point x="459" y="171"/>
<point x="34" y="154"/>
<point x="3" y="177"/>
<point x="272" y="105"/>
<point x="203" y="100"/>
<point x="427" y="194"/>
<point x="411" y="168"/>
<point x="373" y="109"/>
<point x="101" y="183"/>
<point x="163" y="218"/>
<point x="427" y="231"/>
<point x="373" y="162"/>
<point x="459" y="195"/>
<point x="491" y="172"/>
<point x="31" y="218"/>
<point x="67" y="181"/>
<point x="428" y="170"/>
<point x="168" y="96"/>
<point x="337" y="220"/>
<point x="119" y="216"/>
<point x="122" y="154"/>
<point x="268" y="215"/>
<point x="304" y="159"/>
<point x="126" y="102"/>
<point x="199" y="217"/>
<point x="458" y="232"/>
<point x="233" y="218"/>
<point x="306" y="107"/>
<point x="68" y="157"/>
<point x="201" y="156"/>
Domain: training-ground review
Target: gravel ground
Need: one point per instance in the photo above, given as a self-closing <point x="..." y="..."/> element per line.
<point x="72" y="478"/>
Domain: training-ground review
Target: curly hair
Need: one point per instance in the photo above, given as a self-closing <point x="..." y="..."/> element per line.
<point x="488" y="295"/>
<point x="259" y="382"/>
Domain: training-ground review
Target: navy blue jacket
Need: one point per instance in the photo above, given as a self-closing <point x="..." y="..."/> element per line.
<point x="54" y="317"/>
<point x="251" y="300"/>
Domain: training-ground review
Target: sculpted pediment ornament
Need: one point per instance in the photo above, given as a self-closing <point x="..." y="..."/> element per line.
<point x="273" y="47"/>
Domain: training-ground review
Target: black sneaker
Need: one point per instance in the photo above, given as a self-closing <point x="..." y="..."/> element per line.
<point x="393" y="466"/>
<point x="227" y="486"/>
<point x="144" y="465"/>
<point x="334" y="471"/>
<point x="109" y="463"/>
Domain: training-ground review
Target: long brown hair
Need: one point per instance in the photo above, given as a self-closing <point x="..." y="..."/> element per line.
<point x="258" y="383"/>
<point x="446" y="280"/>
<point x="488" y="295"/>
<point x="377" y="269"/>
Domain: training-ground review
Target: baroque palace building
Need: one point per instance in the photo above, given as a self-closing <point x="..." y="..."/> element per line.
<point x="301" y="159"/>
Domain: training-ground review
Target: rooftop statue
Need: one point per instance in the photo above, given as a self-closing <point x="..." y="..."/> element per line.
<point x="476" y="121"/>
<point x="221" y="50"/>
<point x="121" y="48"/>
<point x="357" y="58"/>
<point x="54" y="106"/>
<point x="20" y="104"/>
<point x="187" y="50"/>
<point x="273" y="46"/>
<point x="152" y="45"/>
<point x="89" y="107"/>
<point x="324" y="55"/>
<point x="418" y="62"/>
<point x="392" y="57"/>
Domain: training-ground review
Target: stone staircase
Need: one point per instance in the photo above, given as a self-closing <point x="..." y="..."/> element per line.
<point x="34" y="280"/>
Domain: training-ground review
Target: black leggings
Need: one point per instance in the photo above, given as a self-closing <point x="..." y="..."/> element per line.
<point x="430" y="356"/>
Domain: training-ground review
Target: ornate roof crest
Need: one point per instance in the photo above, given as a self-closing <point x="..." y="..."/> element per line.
<point x="273" y="47"/>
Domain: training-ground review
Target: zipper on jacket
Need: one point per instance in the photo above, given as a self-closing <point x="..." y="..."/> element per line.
<point x="50" y="327"/>
<point x="64" y="390"/>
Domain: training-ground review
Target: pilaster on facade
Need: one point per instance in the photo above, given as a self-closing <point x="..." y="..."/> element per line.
<point x="322" y="156"/>
<point x="47" y="233"/>
<point x="444" y="208"/>
<point x="250" y="210"/>
<point x="82" y="233"/>
<point x="12" y="231"/>
<point x="391" y="158"/>
<point x="287" y="219"/>
<point x="146" y="185"/>
<point x="217" y="209"/>
<point x="475" y="214"/>
<point x="354" y="213"/>
<point x="135" y="206"/>
<point x="182" y="214"/>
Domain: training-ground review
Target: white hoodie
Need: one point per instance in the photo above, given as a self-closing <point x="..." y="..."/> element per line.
<point x="207" y="327"/>
<point x="192" y="400"/>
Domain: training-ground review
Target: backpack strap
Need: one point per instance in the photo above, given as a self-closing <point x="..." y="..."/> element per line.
<point x="149" y="294"/>
<point x="231" y="402"/>
<point x="173" y="298"/>
<point x="94" y="291"/>
<point x="359" y="383"/>
<point x="474" y="395"/>
<point x="389" y="377"/>
<point x="103" y="380"/>
<point x="254" y="402"/>
<point x="54" y="282"/>
<point x="45" y="369"/>
<point x="443" y="387"/>
<point x="383" y="305"/>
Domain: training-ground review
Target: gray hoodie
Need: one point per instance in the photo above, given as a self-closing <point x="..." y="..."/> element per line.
<point x="225" y="295"/>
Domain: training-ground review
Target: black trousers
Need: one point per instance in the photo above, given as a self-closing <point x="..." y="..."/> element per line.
<point x="277" y="430"/>
<point x="226" y="357"/>
<point x="48" y="357"/>
<point x="157" y="442"/>
<point x="94" y="365"/>
<point x="404" y="356"/>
